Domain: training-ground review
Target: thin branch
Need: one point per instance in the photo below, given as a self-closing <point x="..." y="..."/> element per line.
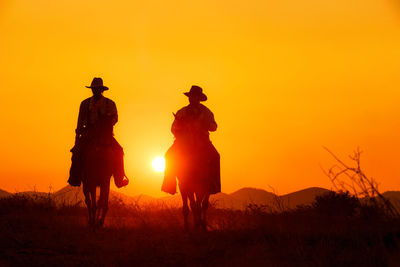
<point x="356" y="180"/>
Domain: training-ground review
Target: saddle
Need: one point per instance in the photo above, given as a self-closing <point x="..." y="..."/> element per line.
<point x="117" y="158"/>
<point x="204" y="164"/>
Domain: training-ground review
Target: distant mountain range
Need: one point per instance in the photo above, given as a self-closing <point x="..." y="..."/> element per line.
<point x="237" y="200"/>
<point x="4" y="194"/>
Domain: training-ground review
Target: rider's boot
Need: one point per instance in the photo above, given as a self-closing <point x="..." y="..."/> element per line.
<point x="120" y="178"/>
<point x="75" y="172"/>
<point x="169" y="182"/>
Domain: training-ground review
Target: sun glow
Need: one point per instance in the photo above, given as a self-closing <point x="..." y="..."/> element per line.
<point x="158" y="164"/>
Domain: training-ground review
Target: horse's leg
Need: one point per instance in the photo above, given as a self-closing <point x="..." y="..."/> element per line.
<point x="103" y="201"/>
<point x="94" y="207"/>
<point x="185" y="208"/>
<point x="86" y="192"/>
<point x="194" y="205"/>
<point x="204" y="207"/>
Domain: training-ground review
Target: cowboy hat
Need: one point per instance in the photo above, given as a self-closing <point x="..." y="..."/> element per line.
<point x="196" y="91"/>
<point x="97" y="82"/>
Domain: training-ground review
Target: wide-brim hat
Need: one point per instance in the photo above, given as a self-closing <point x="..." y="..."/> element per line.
<point x="196" y="91"/>
<point x="97" y="83"/>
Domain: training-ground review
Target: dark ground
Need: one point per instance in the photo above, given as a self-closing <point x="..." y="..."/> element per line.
<point x="33" y="232"/>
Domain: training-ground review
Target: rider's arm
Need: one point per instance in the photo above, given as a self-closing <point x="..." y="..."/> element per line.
<point x="212" y="126"/>
<point x="81" y="122"/>
<point x="113" y="113"/>
<point x="175" y="126"/>
<point x="178" y="125"/>
<point x="110" y="114"/>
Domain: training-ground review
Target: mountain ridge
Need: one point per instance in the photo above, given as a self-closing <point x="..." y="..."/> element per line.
<point x="4" y="193"/>
<point x="237" y="200"/>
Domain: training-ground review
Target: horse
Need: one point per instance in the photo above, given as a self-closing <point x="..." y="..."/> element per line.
<point x="193" y="187"/>
<point x="193" y="168"/>
<point x="97" y="171"/>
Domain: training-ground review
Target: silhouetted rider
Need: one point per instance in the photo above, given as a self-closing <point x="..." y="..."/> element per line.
<point x="195" y="120"/>
<point x="96" y="120"/>
<point x="191" y="128"/>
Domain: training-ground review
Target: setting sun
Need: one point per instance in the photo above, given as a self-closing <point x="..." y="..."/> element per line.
<point x="159" y="164"/>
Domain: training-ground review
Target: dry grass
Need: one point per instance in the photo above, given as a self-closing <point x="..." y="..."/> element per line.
<point x="33" y="232"/>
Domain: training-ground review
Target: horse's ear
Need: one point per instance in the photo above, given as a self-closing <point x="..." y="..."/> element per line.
<point x="174" y="114"/>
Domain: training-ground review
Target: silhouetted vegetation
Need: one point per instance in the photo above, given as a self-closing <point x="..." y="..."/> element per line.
<point x="351" y="178"/>
<point x="338" y="229"/>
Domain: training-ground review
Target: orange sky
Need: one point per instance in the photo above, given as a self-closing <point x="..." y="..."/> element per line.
<point x="283" y="78"/>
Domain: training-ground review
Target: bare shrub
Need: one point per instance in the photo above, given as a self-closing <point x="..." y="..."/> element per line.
<point x="278" y="204"/>
<point x="337" y="203"/>
<point x="351" y="178"/>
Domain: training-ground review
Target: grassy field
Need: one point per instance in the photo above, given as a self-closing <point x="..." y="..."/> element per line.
<point x="335" y="231"/>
